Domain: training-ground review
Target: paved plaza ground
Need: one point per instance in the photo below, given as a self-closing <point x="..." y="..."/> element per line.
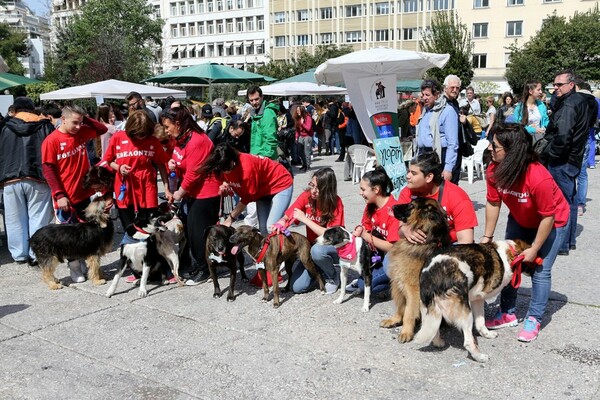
<point x="181" y="343"/>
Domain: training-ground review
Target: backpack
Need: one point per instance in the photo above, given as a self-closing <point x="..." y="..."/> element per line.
<point x="223" y="122"/>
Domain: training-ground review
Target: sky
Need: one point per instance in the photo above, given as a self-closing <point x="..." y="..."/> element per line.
<point x="39" y="7"/>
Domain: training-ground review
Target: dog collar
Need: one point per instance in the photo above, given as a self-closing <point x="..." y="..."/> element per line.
<point x="348" y="251"/>
<point x="140" y="230"/>
<point x="218" y="259"/>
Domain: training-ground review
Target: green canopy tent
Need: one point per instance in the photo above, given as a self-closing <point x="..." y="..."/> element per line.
<point x="411" y="85"/>
<point x="207" y="74"/>
<point x="8" y="80"/>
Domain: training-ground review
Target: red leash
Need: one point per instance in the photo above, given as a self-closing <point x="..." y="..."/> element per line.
<point x="284" y="232"/>
<point x="517" y="267"/>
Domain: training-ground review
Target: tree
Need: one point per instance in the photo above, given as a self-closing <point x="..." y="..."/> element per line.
<point x="111" y="39"/>
<point x="449" y="35"/>
<point x="559" y="44"/>
<point x="303" y="61"/>
<point x="13" y="45"/>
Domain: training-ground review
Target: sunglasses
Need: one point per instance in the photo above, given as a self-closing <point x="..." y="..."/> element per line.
<point x="560" y="84"/>
<point x="496" y="147"/>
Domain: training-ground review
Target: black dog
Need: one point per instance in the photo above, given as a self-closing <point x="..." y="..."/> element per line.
<point x="218" y="252"/>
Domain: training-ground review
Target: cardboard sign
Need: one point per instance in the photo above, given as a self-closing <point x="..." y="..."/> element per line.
<point x="388" y="152"/>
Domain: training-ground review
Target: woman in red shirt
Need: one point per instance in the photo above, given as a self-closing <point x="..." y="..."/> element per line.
<point x="253" y="178"/>
<point x="304" y="136"/>
<point x="539" y="214"/>
<point x="376" y="188"/>
<point x="135" y="154"/>
<point x="199" y="193"/>
<point x="318" y="207"/>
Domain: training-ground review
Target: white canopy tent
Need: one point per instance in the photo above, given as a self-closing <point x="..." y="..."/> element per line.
<point x="299" y="89"/>
<point x="112" y="89"/>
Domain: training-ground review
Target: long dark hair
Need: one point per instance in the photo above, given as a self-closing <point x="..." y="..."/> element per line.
<point x="223" y="159"/>
<point x="529" y="85"/>
<point x="327" y="198"/>
<point x="378" y="177"/>
<point x="519" y="153"/>
<point x="185" y="119"/>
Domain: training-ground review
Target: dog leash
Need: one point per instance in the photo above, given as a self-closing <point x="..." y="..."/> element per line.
<point x="517" y="267"/>
<point x="284" y="232"/>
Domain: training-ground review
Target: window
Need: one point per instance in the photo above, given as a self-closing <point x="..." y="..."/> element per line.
<point x="552" y="1"/>
<point x="303" y="15"/>
<point x="210" y="6"/>
<point x="354" y="11"/>
<point x="182" y="9"/>
<point x="183" y="30"/>
<point x="260" y="49"/>
<point x="260" y="23"/>
<point x="506" y="59"/>
<point x="382" y="35"/>
<point x="481" y="3"/>
<point x="173" y="9"/>
<point x="327" y="38"/>
<point x="240" y="4"/>
<point x="479" y="60"/>
<point x="220" y="27"/>
<point x="302" y="40"/>
<point x="409" y="6"/>
<point x="250" y="3"/>
<point x="382" y="8"/>
<point x="200" y="28"/>
<point x="514" y="28"/>
<point x="515" y="2"/>
<point x="442" y="4"/>
<point x="174" y="31"/>
<point x="279" y="17"/>
<point x="250" y="24"/>
<point x="280" y="41"/>
<point x="240" y="24"/>
<point x="219" y="5"/>
<point x="192" y="9"/>
<point x="230" y="4"/>
<point x="326" y="13"/>
<point x="201" y="11"/>
<point x="409" y="34"/>
<point x="229" y="25"/>
<point x="480" y="30"/>
<point x="210" y="27"/>
<point x="353" y="37"/>
<point x="192" y="29"/>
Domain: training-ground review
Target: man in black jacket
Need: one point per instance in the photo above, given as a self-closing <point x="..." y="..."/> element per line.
<point x="27" y="197"/>
<point x="567" y="135"/>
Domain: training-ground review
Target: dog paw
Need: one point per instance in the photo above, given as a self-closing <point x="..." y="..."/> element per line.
<point x="54" y="286"/>
<point x="388" y="323"/>
<point x="365" y="309"/>
<point x="99" y="282"/>
<point x="480" y="357"/>
<point x="488" y="334"/>
<point x="405" y="337"/>
<point x="438" y="342"/>
<point x="109" y="294"/>
<point x="216" y="295"/>
<point x="230" y="298"/>
<point x="142" y="293"/>
<point x="339" y="300"/>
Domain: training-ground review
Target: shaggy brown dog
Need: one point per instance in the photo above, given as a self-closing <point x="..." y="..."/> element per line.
<point x="280" y="248"/>
<point x="218" y="251"/>
<point x="406" y="260"/>
<point x="89" y="240"/>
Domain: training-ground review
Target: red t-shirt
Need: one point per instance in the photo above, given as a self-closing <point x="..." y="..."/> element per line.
<point x="303" y="203"/>
<point x="455" y="201"/>
<point x="531" y="198"/>
<point x="256" y="177"/>
<point x="142" y="189"/>
<point x="188" y="160"/>
<point x="69" y="155"/>
<point x="384" y="223"/>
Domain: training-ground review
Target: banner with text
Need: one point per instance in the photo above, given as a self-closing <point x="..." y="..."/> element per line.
<point x="388" y="152"/>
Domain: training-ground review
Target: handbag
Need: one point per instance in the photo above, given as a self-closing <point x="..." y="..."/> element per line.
<point x="483" y="121"/>
<point x="540" y="143"/>
<point x="465" y="147"/>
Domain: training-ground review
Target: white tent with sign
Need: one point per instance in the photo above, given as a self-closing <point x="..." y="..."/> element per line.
<point x="299" y="89"/>
<point x="111" y="89"/>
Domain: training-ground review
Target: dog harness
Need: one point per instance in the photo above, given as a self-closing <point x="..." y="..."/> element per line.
<point x="267" y="241"/>
<point x="517" y="267"/>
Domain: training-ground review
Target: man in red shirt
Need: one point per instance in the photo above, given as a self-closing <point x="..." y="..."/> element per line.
<point x="65" y="163"/>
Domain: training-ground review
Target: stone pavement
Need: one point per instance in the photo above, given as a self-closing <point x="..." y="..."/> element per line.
<point x="180" y="343"/>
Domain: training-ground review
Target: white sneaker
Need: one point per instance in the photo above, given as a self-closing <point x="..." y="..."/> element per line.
<point x="75" y="268"/>
<point x="353" y="287"/>
<point x="331" y="287"/>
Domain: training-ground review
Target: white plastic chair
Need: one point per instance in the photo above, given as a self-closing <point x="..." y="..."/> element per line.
<point x="475" y="162"/>
<point x="359" y="154"/>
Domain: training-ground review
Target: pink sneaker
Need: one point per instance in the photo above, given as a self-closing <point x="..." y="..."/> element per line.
<point x="131" y="279"/>
<point x="170" y="281"/>
<point x="530" y="331"/>
<point x="501" y="320"/>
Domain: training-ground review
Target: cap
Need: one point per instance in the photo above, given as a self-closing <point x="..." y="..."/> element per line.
<point x="207" y="111"/>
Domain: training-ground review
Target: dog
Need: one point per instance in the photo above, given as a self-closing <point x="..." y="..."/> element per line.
<point x="277" y="249"/>
<point x="355" y="254"/>
<point x="218" y="251"/>
<point x="455" y="284"/>
<point x="406" y="260"/>
<point x="147" y="246"/>
<point x="90" y="240"/>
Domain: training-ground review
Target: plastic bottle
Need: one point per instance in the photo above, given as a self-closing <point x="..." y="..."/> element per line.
<point x="172" y="181"/>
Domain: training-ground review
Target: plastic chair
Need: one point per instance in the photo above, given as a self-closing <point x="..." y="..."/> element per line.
<point x="359" y="154"/>
<point x="475" y="162"/>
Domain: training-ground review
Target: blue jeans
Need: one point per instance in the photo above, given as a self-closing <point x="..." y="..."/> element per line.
<point x="270" y="209"/>
<point x="591" y="157"/>
<point x="565" y="176"/>
<point x="541" y="281"/>
<point x="28" y="207"/>
<point x="324" y="257"/>
<point x="380" y="280"/>
<point x="582" y="179"/>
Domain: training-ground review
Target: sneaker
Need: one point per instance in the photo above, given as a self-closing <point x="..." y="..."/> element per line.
<point x="131" y="279"/>
<point x="75" y="269"/>
<point x="501" y="320"/>
<point x="580" y="211"/>
<point x="170" y="281"/>
<point x="530" y="331"/>
<point x="331" y="287"/>
<point x="353" y="287"/>
<point x="200" y="277"/>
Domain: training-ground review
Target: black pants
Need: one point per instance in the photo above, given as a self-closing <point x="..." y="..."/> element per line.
<point x="198" y="215"/>
<point x="127" y="215"/>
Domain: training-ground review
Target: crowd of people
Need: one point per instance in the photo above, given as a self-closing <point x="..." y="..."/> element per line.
<point x="539" y="151"/>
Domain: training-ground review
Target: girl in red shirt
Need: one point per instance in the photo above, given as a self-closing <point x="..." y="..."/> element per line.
<point x="199" y="194"/>
<point x="376" y="188"/>
<point x="135" y="154"/>
<point x="304" y="136"/>
<point x="539" y="214"/>
<point x="318" y="207"/>
<point x="253" y="178"/>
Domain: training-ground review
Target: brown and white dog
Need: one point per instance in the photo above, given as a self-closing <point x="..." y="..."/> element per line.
<point x="455" y="285"/>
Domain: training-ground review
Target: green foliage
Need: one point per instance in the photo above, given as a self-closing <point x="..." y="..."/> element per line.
<point x="112" y="39"/>
<point x="13" y="45"/>
<point x="304" y="61"/>
<point x="449" y="35"/>
<point x="35" y="89"/>
<point x="559" y="44"/>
